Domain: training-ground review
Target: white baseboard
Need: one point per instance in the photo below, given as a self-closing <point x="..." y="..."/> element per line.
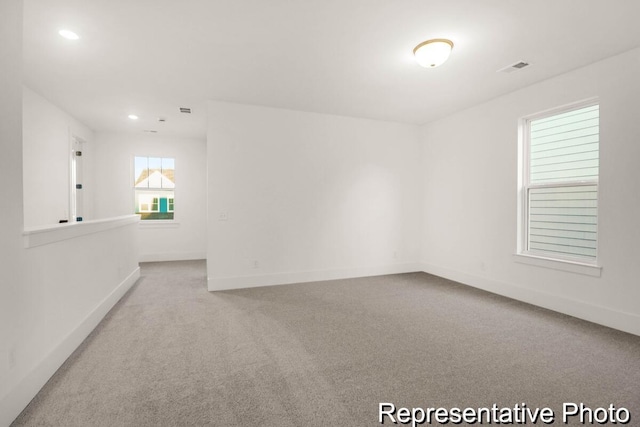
<point x="238" y="282"/>
<point x="18" y="398"/>
<point x="168" y="256"/>
<point x="627" y="322"/>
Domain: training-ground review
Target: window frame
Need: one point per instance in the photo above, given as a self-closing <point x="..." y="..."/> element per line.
<point x="158" y="194"/>
<point x="540" y="257"/>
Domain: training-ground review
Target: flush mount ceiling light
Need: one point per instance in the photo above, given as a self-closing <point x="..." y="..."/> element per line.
<point x="433" y="53"/>
<point x="133" y="117"/>
<point x="69" y="35"/>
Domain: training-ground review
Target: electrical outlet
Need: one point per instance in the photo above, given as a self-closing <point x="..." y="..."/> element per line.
<point x="256" y="264"/>
<point x="223" y="216"/>
<point x="395" y="254"/>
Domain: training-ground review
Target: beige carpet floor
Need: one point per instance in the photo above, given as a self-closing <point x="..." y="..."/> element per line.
<point x="326" y="354"/>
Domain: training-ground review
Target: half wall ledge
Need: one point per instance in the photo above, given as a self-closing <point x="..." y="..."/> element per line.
<point x="38" y="236"/>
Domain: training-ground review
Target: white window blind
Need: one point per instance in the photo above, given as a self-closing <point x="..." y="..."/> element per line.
<point x="562" y="184"/>
<point x="565" y="147"/>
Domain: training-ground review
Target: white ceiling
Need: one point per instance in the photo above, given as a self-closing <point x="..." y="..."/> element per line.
<point x="346" y="57"/>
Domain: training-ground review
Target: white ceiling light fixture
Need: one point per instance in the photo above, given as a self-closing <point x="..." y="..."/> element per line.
<point x="432" y="53"/>
<point x="68" y="34"/>
<point x="133" y="117"/>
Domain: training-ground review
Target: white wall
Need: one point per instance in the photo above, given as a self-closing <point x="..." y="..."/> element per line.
<point x="308" y="196"/>
<point x="470" y="191"/>
<point x="47" y="132"/>
<point x="11" y="216"/>
<point x="113" y="159"/>
<point x="73" y="274"/>
<point x="53" y="295"/>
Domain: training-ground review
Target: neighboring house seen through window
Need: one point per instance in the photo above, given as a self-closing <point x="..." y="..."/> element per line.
<point x="560" y="184"/>
<point x="154" y="185"/>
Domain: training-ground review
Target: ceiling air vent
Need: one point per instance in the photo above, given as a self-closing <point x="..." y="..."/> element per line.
<point x="185" y="110"/>
<point x="514" y="67"/>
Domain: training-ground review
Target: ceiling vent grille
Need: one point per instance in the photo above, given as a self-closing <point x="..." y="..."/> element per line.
<point x="514" y="67"/>
<point x="185" y="110"/>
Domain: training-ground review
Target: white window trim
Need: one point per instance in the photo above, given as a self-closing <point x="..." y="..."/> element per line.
<point x="153" y="223"/>
<point x="158" y="223"/>
<point x="558" y="264"/>
<point x="523" y="255"/>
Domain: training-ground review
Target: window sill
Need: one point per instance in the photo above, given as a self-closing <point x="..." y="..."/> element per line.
<point x="160" y="223"/>
<point x="562" y="265"/>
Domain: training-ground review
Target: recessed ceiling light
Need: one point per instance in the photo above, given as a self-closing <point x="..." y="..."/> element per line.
<point x="133" y="117"/>
<point x="433" y="52"/>
<point x="68" y="34"/>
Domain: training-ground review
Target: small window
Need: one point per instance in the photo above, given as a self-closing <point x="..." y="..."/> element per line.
<point x="154" y="186"/>
<point x="559" y="195"/>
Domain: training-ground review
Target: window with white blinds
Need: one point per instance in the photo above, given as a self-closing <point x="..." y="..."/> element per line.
<point x="561" y="184"/>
